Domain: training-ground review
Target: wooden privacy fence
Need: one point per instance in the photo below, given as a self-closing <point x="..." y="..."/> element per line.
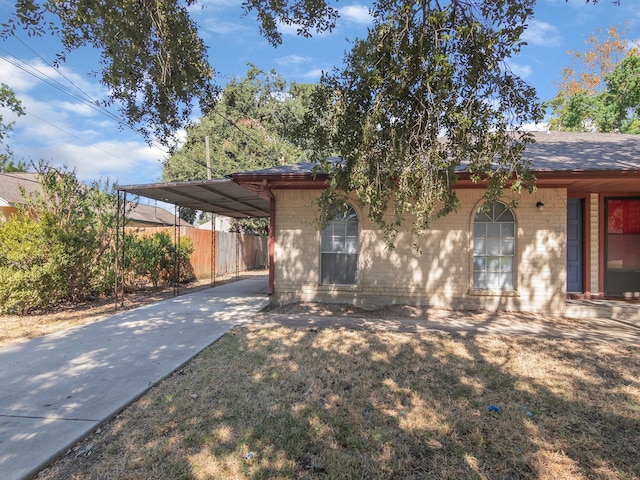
<point x="232" y="252"/>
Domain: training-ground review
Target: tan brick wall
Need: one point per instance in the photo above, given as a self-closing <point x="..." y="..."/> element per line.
<point x="441" y="274"/>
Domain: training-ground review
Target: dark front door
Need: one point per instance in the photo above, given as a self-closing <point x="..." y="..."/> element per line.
<point x="575" y="207"/>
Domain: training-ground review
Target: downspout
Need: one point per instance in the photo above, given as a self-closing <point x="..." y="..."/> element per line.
<point x="272" y="235"/>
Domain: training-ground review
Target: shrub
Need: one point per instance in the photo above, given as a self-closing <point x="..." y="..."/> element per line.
<point x="31" y="276"/>
<point x="153" y="257"/>
<point x="60" y="246"/>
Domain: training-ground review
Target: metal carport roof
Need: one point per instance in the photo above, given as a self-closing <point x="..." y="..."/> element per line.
<point x="221" y="196"/>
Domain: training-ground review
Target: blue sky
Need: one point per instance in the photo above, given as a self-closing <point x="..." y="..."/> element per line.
<point x="62" y="129"/>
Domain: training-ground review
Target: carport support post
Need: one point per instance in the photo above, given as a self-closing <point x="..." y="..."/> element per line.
<point x="272" y="235"/>
<point x="176" y="246"/>
<point x="115" y="286"/>
<point x="237" y="251"/>
<point x="119" y="268"/>
<point x="213" y="249"/>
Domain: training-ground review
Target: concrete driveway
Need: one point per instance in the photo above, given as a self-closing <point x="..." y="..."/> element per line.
<point x="56" y="389"/>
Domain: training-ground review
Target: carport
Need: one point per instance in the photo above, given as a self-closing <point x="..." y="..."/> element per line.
<point x="221" y="196"/>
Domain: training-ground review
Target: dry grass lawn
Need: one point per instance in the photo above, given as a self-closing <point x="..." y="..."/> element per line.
<point x="287" y="403"/>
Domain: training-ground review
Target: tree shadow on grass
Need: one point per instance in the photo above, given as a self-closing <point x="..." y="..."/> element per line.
<point x="338" y="403"/>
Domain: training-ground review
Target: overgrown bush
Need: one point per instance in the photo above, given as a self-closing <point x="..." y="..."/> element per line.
<point x="61" y="247"/>
<point x="30" y="277"/>
<point x="52" y="249"/>
<point x="153" y="258"/>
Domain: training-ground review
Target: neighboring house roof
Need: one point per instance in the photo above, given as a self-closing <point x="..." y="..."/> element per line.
<point x="11" y="184"/>
<point x="152" y="215"/>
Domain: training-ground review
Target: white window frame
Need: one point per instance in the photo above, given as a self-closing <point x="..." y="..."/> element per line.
<point x="494" y="248"/>
<point x="339" y="240"/>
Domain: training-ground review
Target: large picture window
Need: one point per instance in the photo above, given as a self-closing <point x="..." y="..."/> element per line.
<point x="339" y="250"/>
<point x="494" y="231"/>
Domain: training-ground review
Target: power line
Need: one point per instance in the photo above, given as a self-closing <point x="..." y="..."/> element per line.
<point x="85" y="98"/>
<point x="59" y="72"/>
<point x="76" y="137"/>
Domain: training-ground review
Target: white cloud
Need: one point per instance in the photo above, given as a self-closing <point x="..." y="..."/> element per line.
<point x="125" y="162"/>
<point x="535" y="127"/>
<point x="26" y="76"/>
<point x="314" y="74"/>
<point x="292" y="60"/>
<point x="16" y="78"/>
<point x="64" y="133"/>
<point x="356" y="14"/>
<point x="523" y="71"/>
<point x="285" y="29"/>
<point x="542" y="34"/>
<point x="81" y="109"/>
<point x="224" y="28"/>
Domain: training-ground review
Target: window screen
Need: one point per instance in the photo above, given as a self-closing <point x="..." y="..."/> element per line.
<point x="494" y="231"/>
<point x="339" y="250"/>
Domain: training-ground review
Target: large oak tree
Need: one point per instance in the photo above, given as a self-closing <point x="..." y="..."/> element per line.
<point x="428" y="92"/>
<point x="428" y="69"/>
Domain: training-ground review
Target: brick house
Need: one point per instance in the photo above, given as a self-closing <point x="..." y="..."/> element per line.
<point x="578" y="233"/>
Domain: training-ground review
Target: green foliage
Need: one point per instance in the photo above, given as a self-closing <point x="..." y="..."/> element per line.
<point x="601" y="91"/>
<point x="258" y="122"/>
<point x="53" y="248"/>
<point x="427" y="71"/>
<point x="188" y="214"/>
<point x="29" y="273"/>
<point x="8" y="100"/>
<point x="251" y="226"/>
<point x="615" y="109"/>
<point x="60" y="247"/>
<point x="572" y="112"/>
<point x="153" y="61"/>
<point x="9" y="165"/>
<point x="308" y="16"/>
<point x="618" y="108"/>
<point x="154" y="258"/>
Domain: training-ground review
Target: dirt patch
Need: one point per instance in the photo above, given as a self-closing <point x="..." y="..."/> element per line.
<point x="392" y="311"/>
<point x="404" y="311"/>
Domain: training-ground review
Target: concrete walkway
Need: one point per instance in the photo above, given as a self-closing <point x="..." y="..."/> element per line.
<point x="56" y="389"/>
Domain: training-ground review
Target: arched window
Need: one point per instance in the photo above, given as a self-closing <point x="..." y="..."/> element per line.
<point x="339" y="250"/>
<point x="494" y="247"/>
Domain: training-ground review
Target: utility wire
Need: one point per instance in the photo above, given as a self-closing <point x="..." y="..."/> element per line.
<point x="85" y="98"/>
<point x="86" y="95"/>
<point x="75" y="136"/>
